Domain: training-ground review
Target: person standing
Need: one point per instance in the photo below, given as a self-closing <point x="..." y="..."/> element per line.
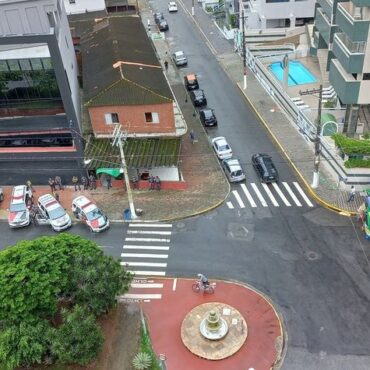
<point x="58" y="182"/>
<point x="76" y="183"/>
<point x="85" y="182"/>
<point x="151" y="182"/>
<point x="56" y="195"/>
<point x="51" y="184"/>
<point x="192" y="136"/>
<point x="157" y="183"/>
<point x="352" y="194"/>
<point x="166" y="65"/>
<point x="109" y="182"/>
<point x="29" y="186"/>
<point x="92" y="182"/>
<point x="135" y="182"/>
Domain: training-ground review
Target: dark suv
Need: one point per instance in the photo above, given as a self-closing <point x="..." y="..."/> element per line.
<point x="191" y="82"/>
<point x="265" y="168"/>
<point x="207" y="117"/>
<point x="198" y="98"/>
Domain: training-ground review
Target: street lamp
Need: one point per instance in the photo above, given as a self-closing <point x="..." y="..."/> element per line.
<point x="192" y="8"/>
<point x="244" y="53"/>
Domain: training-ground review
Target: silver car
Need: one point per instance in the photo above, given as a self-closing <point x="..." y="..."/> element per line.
<point x="179" y="58"/>
<point x="233" y="170"/>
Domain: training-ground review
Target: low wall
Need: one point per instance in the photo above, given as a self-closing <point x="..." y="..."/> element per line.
<point x="14" y="112"/>
<point x="165" y="185"/>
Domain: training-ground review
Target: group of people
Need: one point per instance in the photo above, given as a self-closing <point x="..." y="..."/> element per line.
<point x="154" y="183"/>
<point x="87" y="183"/>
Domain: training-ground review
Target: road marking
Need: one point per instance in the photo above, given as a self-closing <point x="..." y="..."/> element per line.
<point x="147" y="247"/>
<point x="289" y="190"/>
<point x="149" y="232"/>
<point x="147" y="240"/>
<point x="149" y="225"/>
<point x="259" y="195"/>
<point x="148" y="273"/>
<point x="230" y="205"/>
<point x="174" y="284"/>
<point x="238" y="199"/>
<point x="248" y="195"/>
<point x="154" y="286"/>
<point x="144" y="255"/>
<point x="282" y="196"/>
<point x="140" y="296"/>
<point x="146" y="264"/>
<point x="271" y="196"/>
<point x="303" y="195"/>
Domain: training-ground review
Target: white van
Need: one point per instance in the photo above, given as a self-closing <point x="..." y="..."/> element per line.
<point x="53" y="211"/>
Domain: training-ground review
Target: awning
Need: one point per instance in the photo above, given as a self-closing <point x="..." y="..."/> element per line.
<point x="329" y="124"/>
<point x="115" y="172"/>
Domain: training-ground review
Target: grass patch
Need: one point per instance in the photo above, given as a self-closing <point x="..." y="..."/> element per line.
<point x="146" y="346"/>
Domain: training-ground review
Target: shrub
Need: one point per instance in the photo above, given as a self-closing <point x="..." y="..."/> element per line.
<point x="351" y="146"/>
<point x="357" y="162"/>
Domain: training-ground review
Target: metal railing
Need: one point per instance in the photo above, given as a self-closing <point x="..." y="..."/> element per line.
<point x="351" y="46"/>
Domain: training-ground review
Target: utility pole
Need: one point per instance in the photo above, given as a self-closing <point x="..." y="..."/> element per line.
<point x="315" y="181"/>
<point x="117" y="141"/>
<point x="244" y="54"/>
<point x="192" y="8"/>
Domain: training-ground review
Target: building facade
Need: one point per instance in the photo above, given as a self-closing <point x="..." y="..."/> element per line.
<point x="342" y="42"/>
<point x="83" y="6"/>
<point x="39" y="90"/>
<point x="263" y="14"/>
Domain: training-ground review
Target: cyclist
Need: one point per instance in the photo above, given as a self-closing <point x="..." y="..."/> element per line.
<point x="203" y="280"/>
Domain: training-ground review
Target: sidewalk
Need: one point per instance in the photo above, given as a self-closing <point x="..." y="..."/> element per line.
<point x="299" y="153"/>
<point x="167" y="302"/>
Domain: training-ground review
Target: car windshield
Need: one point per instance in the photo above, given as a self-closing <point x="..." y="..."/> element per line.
<point x="94" y="214"/>
<point x="223" y="147"/>
<point x="18" y="207"/>
<point x="236" y="173"/>
<point x="56" y="213"/>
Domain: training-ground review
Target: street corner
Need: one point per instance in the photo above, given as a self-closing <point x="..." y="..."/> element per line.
<point x="235" y="327"/>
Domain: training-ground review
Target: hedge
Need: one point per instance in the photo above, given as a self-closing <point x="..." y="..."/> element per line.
<point x="351" y="146"/>
<point x="355" y="162"/>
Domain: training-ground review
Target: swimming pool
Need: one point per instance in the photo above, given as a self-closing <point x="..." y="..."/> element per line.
<point x="298" y="73"/>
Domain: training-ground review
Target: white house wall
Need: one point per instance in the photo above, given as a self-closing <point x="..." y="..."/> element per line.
<point x="81" y="6"/>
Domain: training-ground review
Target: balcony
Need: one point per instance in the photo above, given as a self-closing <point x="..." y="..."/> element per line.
<point x="322" y="23"/>
<point x="344" y="84"/>
<point x="327" y="6"/>
<point x="353" y="25"/>
<point x="360" y="3"/>
<point x="350" y="54"/>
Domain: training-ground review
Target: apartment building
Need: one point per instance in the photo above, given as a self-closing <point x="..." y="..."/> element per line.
<point x="341" y="37"/>
<point x="83" y="6"/>
<point x="39" y="92"/>
<point x="263" y="14"/>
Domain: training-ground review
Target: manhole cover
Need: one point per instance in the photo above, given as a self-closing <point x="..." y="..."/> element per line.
<point x="312" y="256"/>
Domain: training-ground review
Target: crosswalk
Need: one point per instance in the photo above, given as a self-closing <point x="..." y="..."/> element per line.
<point x="256" y="195"/>
<point x="145" y="254"/>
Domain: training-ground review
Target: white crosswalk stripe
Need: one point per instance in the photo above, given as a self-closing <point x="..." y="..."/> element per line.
<point x="303" y="195"/>
<point x="289" y="190"/>
<point x="281" y="195"/>
<point x="267" y="195"/>
<point x="151" y="232"/>
<point x="259" y="195"/>
<point x="143" y="255"/>
<point x="146" y="247"/>
<point x="248" y="195"/>
<point x="271" y="196"/>
<point x="149" y="225"/>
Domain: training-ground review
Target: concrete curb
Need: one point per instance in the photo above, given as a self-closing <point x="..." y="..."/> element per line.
<point x="307" y="185"/>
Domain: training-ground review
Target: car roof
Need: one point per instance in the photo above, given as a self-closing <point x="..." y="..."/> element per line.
<point x="180" y="52"/>
<point x="220" y="140"/>
<point x="86" y="204"/>
<point x="198" y="92"/>
<point x="171" y="3"/>
<point x="191" y="77"/>
<point x="234" y="164"/>
<point x="49" y="202"/>
<point x="18" y="194"/>
<point x="207" y="112"/>
<point x="162" y="21"/>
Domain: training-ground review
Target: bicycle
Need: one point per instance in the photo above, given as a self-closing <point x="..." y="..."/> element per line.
<point x="198" y="287"/>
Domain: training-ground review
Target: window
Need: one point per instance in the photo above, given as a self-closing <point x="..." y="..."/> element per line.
<point x="111" y="118"/>
<point x="151" y="117"/>
<point x="72" y="1"/>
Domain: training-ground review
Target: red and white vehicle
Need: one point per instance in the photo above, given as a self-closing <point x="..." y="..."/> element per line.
<point x="88" y="212"/>
<point x="19" y="215"/>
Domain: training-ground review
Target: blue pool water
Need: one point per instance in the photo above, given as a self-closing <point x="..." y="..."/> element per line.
<point x="298" y="73"/>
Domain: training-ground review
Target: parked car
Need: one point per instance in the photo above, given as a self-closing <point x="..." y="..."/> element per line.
<point x="88" y="212"/>
<point x="191" y="82"/>
<point x="222" y="148"/>
<point x="207" y="117"/>
<point x="172" y="7"/>
<point x="233" y="169"/>
<point x="19" y="215"/>
<point x="198" y="98"/>
<point x="163" y="25"/>
<point x="179" y="58"/>
<point x="265" y="168"/>
<point x="53" y="212"/>
<point x="158" y="17"/>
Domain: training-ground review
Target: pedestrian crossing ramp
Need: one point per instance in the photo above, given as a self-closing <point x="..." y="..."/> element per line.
<point x="256" y="195"/>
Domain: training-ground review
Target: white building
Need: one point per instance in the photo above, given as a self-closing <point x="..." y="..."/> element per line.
<point x="263" y="14"/>
<point x="83" y="6"/>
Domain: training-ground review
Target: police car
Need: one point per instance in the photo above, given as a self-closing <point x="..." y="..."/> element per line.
<point x="88" y="212"/>
<point x="19" y="215"/>
<point x="54" y="213"/>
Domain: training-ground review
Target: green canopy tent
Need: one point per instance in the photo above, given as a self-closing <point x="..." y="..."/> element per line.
<point x="328" y="124"/>
<point x="114" y="172"/>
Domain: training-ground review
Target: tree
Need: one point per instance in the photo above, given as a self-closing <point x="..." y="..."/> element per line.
<point x="23" y="344"/>
<point x="78" y="339"/>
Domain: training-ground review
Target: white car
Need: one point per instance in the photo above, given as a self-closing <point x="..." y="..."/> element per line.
<point x="233" y="169"/>
<point x="88" y="212"/>
<point x="172" y="7"/>
<point x="19" y="215"/>
<point x="53" y="212"/>
<point x="179" y="58"/>
<point x="222" y="148"/>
